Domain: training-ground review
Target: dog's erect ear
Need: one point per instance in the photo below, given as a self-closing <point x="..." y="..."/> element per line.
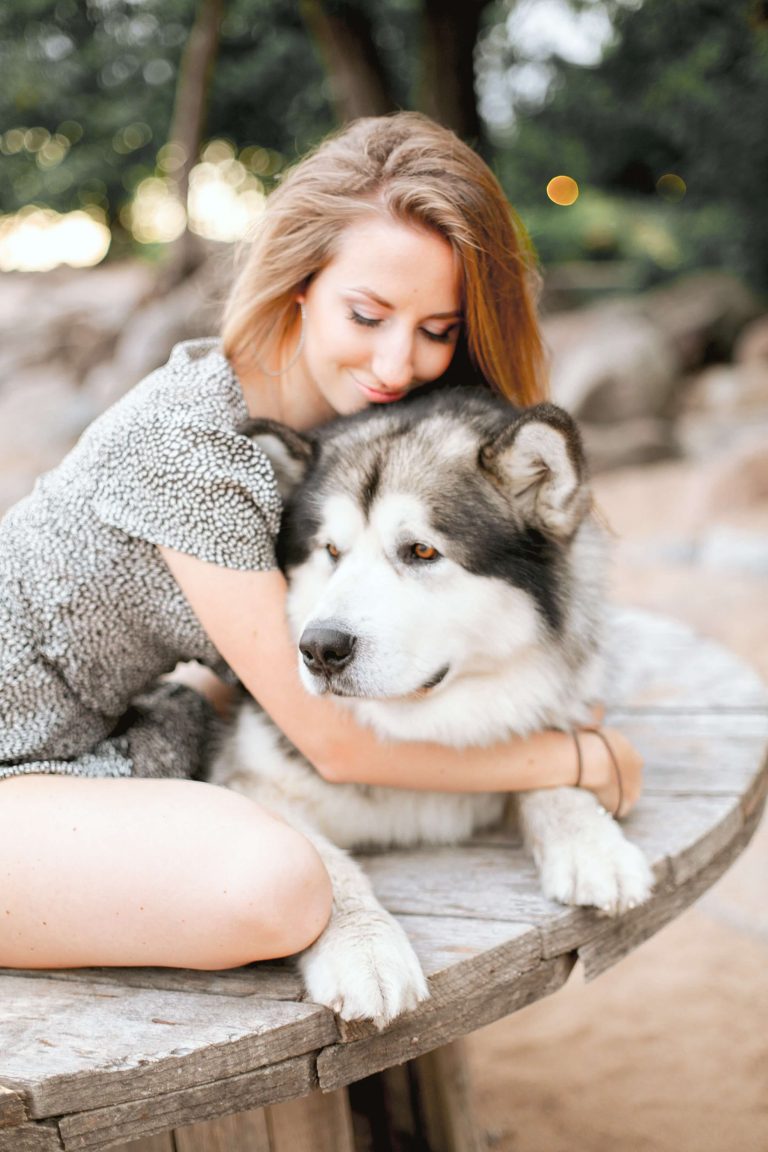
<point x="289" y="452"/>
<point x="538" y="461"/>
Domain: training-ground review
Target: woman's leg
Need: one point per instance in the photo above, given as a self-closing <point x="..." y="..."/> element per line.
<point x="159" y="872"/>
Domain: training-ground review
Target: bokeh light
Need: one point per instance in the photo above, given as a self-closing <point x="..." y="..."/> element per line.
<point x="38" y="239"/>
<point x="226" y="197"/>
<point x="563" y="190"/>
<point x="155" y="215"/>
<point x="671" y="187"/>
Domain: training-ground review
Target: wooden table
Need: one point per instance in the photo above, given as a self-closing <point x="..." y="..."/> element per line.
<point x="229" y="1061"/>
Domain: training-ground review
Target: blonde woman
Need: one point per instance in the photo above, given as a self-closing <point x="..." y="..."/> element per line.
<point x="386" y="260"/>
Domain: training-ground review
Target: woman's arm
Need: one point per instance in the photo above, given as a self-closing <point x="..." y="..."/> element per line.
<point x="244" y="615"/>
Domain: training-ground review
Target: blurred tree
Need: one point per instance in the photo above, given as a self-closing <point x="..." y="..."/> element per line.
<point x="92" y="90"/>
<point x="682" y="91"/>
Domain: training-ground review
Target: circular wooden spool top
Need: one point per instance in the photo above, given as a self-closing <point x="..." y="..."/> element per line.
<point x="94" y="1058"/>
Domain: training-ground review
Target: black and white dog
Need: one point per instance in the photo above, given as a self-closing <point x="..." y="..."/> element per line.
<point x="446" y="583"/>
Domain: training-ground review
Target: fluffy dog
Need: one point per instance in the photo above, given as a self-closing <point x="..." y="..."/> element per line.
<point x="446" y="584"/>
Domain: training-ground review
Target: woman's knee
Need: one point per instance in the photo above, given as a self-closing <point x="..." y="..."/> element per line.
<point x="279" y="894"/>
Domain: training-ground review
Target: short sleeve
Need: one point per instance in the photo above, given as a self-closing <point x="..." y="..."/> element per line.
<point x="178" y="481"/>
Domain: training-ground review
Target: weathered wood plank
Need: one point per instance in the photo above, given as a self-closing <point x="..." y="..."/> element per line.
<point x="162" y="1143"/>
<point x="102" y="1127"/>
<point x="616" y="940"/>
<point x="243" y="1132"/>
<point x="456" y="969"/>
<point x="73" y="1046"/>
<point x="698" y="754"/>
<point x="499" y="882"/>
<point x="31" y="1138"/>
<point x="657" y="662"/>
<point x="321" y="1122"/>
<point x="443" y="942"/>
<point x="438" y="1021"/>
<point x="442" y="1084"/>
<point x="12" y="1110"/>
<point x="266" y="981"/>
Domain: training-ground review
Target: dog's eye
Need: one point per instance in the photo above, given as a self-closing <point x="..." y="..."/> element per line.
<point x="424" y="552"/>
<point x="332" y="551"/>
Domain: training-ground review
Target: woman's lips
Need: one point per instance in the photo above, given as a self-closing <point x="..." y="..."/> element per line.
<point x="375" y="395"/>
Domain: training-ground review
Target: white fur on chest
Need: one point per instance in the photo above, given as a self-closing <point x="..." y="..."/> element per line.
<point x="254" y="761"/>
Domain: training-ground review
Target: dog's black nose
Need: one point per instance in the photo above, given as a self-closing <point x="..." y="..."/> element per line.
<point x="326" y="650"/>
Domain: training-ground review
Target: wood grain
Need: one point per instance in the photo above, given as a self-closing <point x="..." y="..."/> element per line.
<point x="73" y="1045"/>
<point x="317" y="1123"/>
<point x="437" y="1022"/>
<point x="122" y="1122"/>
<point x="30" y="1138"/>
<point x="247" y="1130"/>
<point x="12" y="1110"/>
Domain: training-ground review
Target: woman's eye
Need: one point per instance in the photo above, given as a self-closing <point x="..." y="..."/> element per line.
<point x="332" y="551"/>
<point x="366" y="321"/>
<point x="424" y="552"/>
<point x="440" y="337"/>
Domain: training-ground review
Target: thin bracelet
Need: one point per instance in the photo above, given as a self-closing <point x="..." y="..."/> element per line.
<point x="579" y="759"/>
<point x="617" y="771"/>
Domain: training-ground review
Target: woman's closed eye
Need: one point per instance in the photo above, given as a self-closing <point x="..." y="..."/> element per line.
<point x="374" y="321"/>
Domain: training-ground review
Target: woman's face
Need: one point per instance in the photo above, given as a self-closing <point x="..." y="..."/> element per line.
<point x="382" y="317"/>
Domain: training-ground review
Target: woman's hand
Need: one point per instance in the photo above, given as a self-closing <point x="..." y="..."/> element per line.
<point x="615" y="779"/>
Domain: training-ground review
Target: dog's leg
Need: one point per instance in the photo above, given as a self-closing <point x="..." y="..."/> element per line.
<point x="581" y="853"/>
<point x="363" y="965"/>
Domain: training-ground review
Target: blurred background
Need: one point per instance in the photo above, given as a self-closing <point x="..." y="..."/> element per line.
<point x="138" y="140"/>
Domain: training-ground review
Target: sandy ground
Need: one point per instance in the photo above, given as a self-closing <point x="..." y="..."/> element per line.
<point x="668" y="1051"/>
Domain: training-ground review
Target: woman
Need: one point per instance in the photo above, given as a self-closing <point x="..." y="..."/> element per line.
<point x="386" y="260"/>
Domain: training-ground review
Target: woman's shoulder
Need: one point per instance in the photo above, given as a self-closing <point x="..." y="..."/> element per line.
<point x="196" y="384"/>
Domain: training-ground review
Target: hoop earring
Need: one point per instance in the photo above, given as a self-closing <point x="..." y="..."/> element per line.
<point x="297" y="353"/>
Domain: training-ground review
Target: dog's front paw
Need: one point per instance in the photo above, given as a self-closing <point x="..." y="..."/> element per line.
<point x="364" y="968"/>
<point x="605" y="871"/>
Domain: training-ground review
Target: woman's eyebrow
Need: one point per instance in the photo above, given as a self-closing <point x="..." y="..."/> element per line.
<point x="455" y="315"/>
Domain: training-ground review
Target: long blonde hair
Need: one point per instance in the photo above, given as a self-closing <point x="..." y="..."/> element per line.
<point x="420" y="173"/>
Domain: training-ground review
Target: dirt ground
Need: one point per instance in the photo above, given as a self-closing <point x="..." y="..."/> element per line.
<point x="668" y="1051"/>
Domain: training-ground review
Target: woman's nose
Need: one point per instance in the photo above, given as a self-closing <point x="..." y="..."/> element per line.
<point x="393" y="363"/>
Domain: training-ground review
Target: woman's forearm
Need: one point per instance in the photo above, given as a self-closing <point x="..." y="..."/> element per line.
<point x="244" y="614"/>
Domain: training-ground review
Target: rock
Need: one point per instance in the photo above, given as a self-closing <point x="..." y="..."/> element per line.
<point x="751" y="345"/>
<point x="701" y="314"/>
<point x="644" y="440"/>
<point x="737" y="480"/>
<point x="68" y="318"/>
<point x="145" y="342"/>
<point x="610" y="363"/>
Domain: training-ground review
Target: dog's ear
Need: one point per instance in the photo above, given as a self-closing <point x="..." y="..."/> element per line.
<point x="289" y="453"/>
<point x="538" y="461"/>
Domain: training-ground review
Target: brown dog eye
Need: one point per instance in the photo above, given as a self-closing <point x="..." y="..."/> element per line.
<point x="332" y="551"/>
<point x="425" y="552"/>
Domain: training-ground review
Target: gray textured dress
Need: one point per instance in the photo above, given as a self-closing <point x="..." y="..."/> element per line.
<point x="90" y="616"/>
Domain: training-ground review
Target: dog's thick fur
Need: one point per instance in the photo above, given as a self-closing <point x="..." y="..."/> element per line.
<point x="445" y="580"/>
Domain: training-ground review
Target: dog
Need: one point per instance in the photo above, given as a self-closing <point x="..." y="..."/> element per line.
<point x="445" y="579"/>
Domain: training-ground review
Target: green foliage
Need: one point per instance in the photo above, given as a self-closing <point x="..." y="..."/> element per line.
<point x="88" y="88"/>
<point x="86" y="97"/>
<point x="684" y="90"/>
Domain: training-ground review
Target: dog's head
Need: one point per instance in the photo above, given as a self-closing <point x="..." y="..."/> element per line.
<point x="428" y="545"/>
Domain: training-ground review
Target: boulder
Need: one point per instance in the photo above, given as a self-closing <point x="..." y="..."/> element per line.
<point x="610" y="363"/>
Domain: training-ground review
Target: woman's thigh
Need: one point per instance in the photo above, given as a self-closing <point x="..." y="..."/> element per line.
<point x="159" y="872"/>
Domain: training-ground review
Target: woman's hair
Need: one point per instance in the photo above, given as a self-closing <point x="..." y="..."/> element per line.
<point x="417" y="172"/>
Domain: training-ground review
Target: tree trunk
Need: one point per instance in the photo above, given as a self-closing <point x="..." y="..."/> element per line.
<point x="447" y="86"/>
<point x="188" y="123"/>
<point x="359" y="85"/>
